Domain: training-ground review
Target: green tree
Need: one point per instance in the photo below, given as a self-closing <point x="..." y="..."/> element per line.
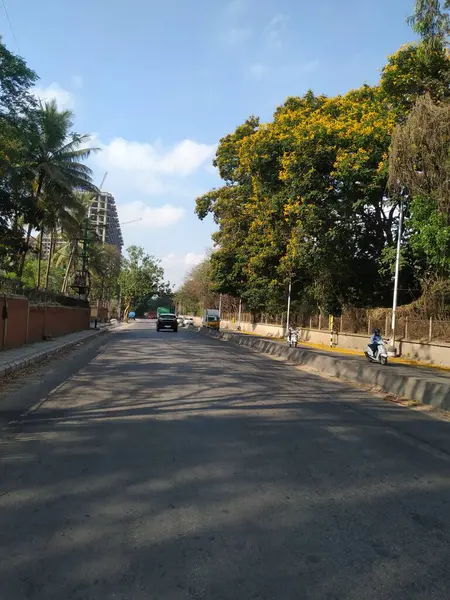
<point x="140" y="278"/>
<point x="420" y="162"/>
<point x="307" y="204"/>
<point x="16" y="194"/>
<point x="104" y="264"/>
<point x="197" y="291"/>
<point x="55" y="156"/>
<point x="305" y="198"/>
<point x="420" y="155"/>
<point x="431" y="21"/>
<point x="60" y="216"/>
<point x="413" y="72"/>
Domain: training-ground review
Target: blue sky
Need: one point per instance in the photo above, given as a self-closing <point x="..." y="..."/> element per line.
<point x="158" y="83"/>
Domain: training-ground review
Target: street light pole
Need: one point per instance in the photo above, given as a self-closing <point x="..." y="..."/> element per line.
<point x="397" y="270"/>
<point x="289" y="306"/>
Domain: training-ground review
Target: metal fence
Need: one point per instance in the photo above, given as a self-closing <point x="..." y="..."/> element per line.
<point x="359" y="321"/>
<point x="16" y="288"/>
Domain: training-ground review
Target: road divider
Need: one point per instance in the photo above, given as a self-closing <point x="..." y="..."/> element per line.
<point x="415" y="383"/>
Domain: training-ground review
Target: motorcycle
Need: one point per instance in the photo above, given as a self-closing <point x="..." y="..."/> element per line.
<point x="292" y="339"/>
<point x="380" y="356"/>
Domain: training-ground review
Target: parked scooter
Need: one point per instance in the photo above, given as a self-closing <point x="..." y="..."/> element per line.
<point x="381" y="354"/>
<point x="292" y="338"/>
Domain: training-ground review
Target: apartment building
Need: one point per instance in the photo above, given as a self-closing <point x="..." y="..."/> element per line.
<point x="104" y="219"/>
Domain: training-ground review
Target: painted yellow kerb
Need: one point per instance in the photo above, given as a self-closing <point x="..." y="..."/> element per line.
<point x="338" y="350"/>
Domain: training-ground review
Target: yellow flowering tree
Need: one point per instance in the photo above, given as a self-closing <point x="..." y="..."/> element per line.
<point x="305" y="196"/>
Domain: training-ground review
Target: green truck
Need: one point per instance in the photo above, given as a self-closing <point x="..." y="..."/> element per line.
<point x="161" y="310"/>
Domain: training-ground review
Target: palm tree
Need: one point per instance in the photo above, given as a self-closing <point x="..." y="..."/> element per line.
<point x="56" y="156"/>
<point x="62" y="215"/>
<point x="59" y="214"/>
<point x="73" y="230"/>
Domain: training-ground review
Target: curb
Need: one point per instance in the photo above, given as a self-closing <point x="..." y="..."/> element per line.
<point x="415" y="388"/>
<point x="41" y="355"/>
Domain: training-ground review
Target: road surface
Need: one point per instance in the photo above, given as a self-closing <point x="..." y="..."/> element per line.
<point x="175" y="467"/>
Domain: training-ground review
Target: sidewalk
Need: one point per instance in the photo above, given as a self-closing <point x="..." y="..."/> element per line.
<point x="19" y="358"/>
<point x="427" y="385"/>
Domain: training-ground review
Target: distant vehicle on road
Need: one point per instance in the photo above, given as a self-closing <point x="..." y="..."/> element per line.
<point x="167" y="321"/>
<point x="292" y="338"/>
<point x="211" y="318"/>
<point x="180" y="320"/>
<point x="188" y="321"/>
<point x="163" y="310"/>
<point x="380" y="355"/>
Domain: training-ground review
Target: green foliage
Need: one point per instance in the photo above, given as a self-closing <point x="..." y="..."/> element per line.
<point x="430" y="235"/>
<point x="306" y="203"/>
<point x="140" y="278"/>
<point x="16" y="195"/>
<point x="30" y="274"/>
<point x="413" y="71"/>
<point x="431" y="21"/>
<point x="305" y="196"/>
<point x="197" y="291"/>
<point x="16" y="79"/>
<point x="104" y="264"/>
<point x="41" y="164"/>
<point x="56" y="154"/>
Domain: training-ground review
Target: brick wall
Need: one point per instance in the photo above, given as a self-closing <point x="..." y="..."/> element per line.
<point x="13" y="332"/>
<point x="36" y="323"/>
<point x="31" y="323"/>
<point x="100" y="313"/>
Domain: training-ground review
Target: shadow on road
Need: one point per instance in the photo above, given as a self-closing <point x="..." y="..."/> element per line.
<point x="169" y="467"/>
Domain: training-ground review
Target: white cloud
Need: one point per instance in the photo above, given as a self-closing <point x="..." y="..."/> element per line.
<point x="276" y="29"/>
<point x="190" y="259"/>
<point x="237" y="35"/>
<point x="185" y="158"/>
<point x="139" y="167"/>
<point x="212" y="170"/>
<point x="176" y="266"/>
<point x="257" y="71"/>
<point x="150" y="217"/>
<point x="64" y="98"/>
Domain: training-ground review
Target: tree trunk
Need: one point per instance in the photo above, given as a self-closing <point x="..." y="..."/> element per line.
<point x="40" y="259"/>
<point x="30" y="227"/>
<point x="126" y="311"/>
<point x="65" y="284"/>
<point x="25" y="252"/>
<point x="50" y="255"/>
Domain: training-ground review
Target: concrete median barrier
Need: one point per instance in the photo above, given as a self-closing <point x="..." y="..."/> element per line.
<point x="419" y="384"/>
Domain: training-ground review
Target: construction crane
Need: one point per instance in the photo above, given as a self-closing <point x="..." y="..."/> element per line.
<point x="129" y="222"/>
<point x="103" y="180"/>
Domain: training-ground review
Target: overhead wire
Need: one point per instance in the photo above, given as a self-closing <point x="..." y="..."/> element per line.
<point x="10" y="24"/>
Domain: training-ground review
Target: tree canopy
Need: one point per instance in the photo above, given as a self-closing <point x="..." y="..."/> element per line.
<point x="306" y="198"/>
<point x="141" y="277"/>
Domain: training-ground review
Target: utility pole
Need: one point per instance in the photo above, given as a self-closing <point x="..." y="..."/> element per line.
<point x="288" y="317"/>
<point x="397" y="271"/>
<point x="84" y="253"/>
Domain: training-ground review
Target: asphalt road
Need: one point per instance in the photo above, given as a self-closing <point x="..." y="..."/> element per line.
<point x="174" y="466"/>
